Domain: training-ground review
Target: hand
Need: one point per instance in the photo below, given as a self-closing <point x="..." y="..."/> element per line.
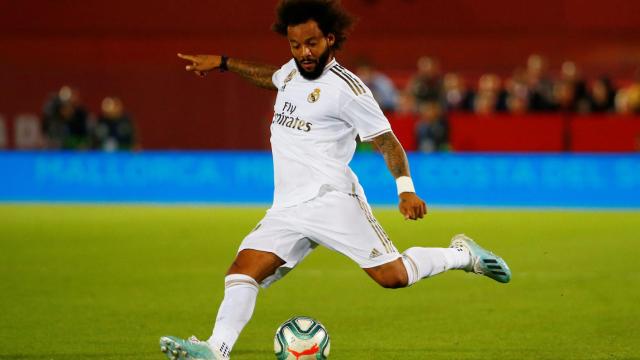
<point x="202" y="64"/>
<point x="411" y="206"/>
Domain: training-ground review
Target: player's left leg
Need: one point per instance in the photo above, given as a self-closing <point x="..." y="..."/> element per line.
<point x="391" y="275"/>
<point x="418" y="263"/>
<point x="344" y="223"/>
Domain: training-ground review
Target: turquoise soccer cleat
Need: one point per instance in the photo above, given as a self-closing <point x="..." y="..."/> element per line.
<point x="192" y="349"/>
<point x="483" y="262"/>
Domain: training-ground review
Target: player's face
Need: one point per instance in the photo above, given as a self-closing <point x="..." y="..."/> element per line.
<point x="311" y="49"/>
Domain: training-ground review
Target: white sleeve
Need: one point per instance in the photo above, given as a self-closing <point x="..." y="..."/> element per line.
<point x="364" y="113"/>
<point x="280" y="75"/>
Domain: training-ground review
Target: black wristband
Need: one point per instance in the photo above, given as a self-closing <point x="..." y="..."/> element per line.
<point x="223" y="63"/>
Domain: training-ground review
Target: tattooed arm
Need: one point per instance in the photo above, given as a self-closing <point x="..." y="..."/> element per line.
<point x="393" y="154"/>
<point x="410" y="205"/>
<point x="258" y="74"/>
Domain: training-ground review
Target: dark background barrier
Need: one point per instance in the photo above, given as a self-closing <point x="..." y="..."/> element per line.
<point x="545" y="133"/>
<point x="128" y="49"/>
<point x="605" y="133"/>
<point x="470" y="132"/>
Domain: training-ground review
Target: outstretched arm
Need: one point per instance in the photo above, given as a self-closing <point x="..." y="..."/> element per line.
<point x="411" y="206"/>
<point x="258" y="74"/>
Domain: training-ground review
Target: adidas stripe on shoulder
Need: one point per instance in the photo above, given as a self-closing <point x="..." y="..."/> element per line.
<point x="354" y="84"/>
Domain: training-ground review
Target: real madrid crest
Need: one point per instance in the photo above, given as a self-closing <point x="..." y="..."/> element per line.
<point x="314" y="96"/>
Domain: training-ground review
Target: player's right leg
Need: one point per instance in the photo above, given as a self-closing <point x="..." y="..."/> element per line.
<point x="249" y="269"/>
<point x="272" y="249"/>
<point x="241" y="290"/>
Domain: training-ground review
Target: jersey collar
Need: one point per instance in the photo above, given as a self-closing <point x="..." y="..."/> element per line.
<point x="329" y="65"/>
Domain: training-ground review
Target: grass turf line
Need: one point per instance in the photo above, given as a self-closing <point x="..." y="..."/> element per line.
<point x="104" y="282"/>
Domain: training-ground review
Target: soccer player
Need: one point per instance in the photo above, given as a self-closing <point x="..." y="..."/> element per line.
<point x="320" y="110"/>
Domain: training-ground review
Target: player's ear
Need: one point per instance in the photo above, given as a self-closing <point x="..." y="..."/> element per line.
<point x="331" y="39"/>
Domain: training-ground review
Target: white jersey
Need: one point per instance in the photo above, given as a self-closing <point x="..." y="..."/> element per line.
<point x="314" y="128"/>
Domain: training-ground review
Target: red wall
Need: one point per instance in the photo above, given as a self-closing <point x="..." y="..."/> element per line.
<point x="128" y="49"/>
<point x="471" y="132"/>
<point x="545" y="133"/>
<point x="605" y="133"/>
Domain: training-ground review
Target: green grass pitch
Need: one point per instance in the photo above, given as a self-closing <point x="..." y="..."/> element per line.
<point x="104" y="282"/>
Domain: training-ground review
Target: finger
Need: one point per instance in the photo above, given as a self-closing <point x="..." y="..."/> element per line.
<point x="187" y="57"/>
<point x="412" y="215"/>
<point x="405" y="213"/>
<point x="424" y="208"/>
<point x="419" y="212"/>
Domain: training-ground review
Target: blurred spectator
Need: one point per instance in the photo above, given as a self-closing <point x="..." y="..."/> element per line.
<point x="485" y="103"/>
<point x="406" y="104"/>
<point x="114" y="130"/>
<point x="426" y="84"/>
<point x="540" y="84"/>
<point x="457" y="96"/>
<point x="621" y="101"/>
<point x="517" y="92"/>
<point x="4" y="137"/>
<point x="633" y="94"/>
<point x="380" y="85"/>
<point x="403" y="121"/>
<point x="491" y="97"/>
<point x="65" y="121"/>
<point x="432" y="130"/>
<point x="27" y="132"/>
<point x="517" y="84"/>
<point x="564" y="96"/>
<point x="517" y="105"/>
<point x="602" y="97"/>
<point x="571" y="77"/>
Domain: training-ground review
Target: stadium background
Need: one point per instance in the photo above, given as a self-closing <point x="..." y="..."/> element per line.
<point x="84" y="278"/>
<point x="128" y="48"/>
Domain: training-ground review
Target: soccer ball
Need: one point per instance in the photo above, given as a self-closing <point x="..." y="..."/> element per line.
<point x="301" y="338"/>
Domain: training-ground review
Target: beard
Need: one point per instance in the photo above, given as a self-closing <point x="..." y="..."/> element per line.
<point x="317" y="71"/>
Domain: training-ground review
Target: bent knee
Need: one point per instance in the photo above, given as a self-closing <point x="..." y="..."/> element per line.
<point x="393" y="282"/>
<point x="392" y="275"/>
<point x="256" y="264"/>
<point x="392" y="279"/>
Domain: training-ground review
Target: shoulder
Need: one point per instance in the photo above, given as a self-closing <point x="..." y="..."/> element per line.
<point x="289" y="65"/>
<point x="347" y="81"/>
<point x="287" y="68"/>
<point x="285" y="73"/>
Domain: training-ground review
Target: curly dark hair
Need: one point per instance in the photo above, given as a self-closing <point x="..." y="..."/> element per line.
<point x="331" y="17"/>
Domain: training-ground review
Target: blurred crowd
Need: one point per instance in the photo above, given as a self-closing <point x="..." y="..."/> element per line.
<point x="67" y="125"/>
<point x="430" y="95"/>
<point x="419" y="104"/>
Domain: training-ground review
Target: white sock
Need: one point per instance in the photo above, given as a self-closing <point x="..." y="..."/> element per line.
<point x="240" y="293"/>
<point x="425" y="262"/>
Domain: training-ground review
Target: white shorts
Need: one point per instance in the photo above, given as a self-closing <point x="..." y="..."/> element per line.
<point x="341" y="222"/>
